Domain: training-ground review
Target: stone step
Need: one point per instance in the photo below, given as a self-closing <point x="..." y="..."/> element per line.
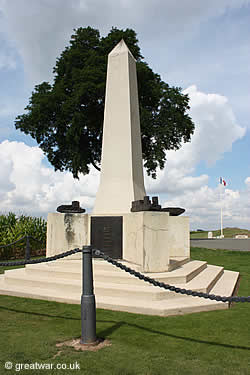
<point x="142" y="291"/>
<point x="180" y="305"/>
<point x="104" y="271"/>
<point x="116" y="276"/>
<point x="98" y="265"/>
<point x="130" y="287"/>
<point x="226" y="284"/>
<point x="175" y="262"/>
<point x="176" y="306"/>
<point x="205" y="280"/>
<point x="181" y="275"/>
<point x="44" y="270"/>
<point x="38" y="293"/>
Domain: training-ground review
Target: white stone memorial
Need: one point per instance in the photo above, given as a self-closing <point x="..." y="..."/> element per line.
<point x="121" y="179"/>
<point x="153" y="242"/>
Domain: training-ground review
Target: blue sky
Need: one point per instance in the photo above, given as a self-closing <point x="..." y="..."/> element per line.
<point x="202" y="47"/>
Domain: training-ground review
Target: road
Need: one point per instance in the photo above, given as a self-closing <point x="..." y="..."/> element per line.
<point x="224" y="243"/>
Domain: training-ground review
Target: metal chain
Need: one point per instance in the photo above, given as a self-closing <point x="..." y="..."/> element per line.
<point x="43" y="260"/>
<point x="167" y="286"/>
<point x="13" y="243"/>
<point x="20" y="239"/>
<point x="35" y="239"/>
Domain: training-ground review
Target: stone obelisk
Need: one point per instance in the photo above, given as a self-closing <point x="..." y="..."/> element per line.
<point x="121" y="180"/>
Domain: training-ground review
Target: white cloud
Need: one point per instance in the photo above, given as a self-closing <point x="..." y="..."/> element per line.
<point x="204" y="207"/>
<point x="216" y="125"/>
<point x="42" y="29"/>
<point x="215" y="131"/>
<point x="28" y="185"/>
<point x="247" y="182"/>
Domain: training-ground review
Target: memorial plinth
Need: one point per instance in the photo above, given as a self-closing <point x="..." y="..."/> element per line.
<point x="147" y="239"/>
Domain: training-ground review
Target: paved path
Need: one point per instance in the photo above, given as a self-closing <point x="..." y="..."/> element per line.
<point x="224" y="243"/>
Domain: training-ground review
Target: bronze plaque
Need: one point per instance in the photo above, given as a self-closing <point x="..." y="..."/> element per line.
<point x="106" y="235"/>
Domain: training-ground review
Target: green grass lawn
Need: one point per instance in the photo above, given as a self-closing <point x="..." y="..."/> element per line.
<point x="227" y="232"/>
<point x="216" y="342"/>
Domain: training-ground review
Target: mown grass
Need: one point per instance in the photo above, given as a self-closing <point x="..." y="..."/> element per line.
<point x="216" y="342"/>
<point x="227" y="232"/>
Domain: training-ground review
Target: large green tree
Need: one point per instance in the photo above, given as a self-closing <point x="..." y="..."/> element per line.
<point x="66" y="118"/>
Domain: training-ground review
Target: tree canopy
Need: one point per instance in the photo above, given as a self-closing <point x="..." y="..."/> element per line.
<point x="66" y="117"/>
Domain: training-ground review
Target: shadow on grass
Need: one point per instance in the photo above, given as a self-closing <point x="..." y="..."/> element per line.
<point x="38" y="314"/>
<point x="117" y="325"/>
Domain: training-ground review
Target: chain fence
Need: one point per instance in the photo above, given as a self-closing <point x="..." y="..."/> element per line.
<point x="137" y="274"/>
<point x="13" y="243"/>
<point x="27" y="248"/>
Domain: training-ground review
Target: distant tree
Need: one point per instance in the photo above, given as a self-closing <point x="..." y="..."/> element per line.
<point x="66" y="118"/>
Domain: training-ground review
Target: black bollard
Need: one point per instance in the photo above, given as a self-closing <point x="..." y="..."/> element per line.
<point x="27" y="250"/>
<point x="88" y="309"/>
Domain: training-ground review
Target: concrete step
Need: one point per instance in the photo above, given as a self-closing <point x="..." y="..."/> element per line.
<point x="162" y="308"/>
<point x="106" y="272"/>
<point x="117" y="290"/>
<point x="143" y="291"/>
<point x="44" y="270"/>
<point x="226" y="284"/>
<point x="19" y="277"/>
<point x="114" y="275"/>
<point x="136" y="289"/>
<point x="205" y="280"/>
<point x="181" y="275"/>
<point x="176" y="306"/>
<point x="77" y="264"/>
<point x="175" y="262"/>
<point x="38" y="293"/>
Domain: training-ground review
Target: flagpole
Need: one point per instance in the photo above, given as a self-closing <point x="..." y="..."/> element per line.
<point x="222" y="183"/>
<point x="221" y="215"/>
<point x="221" y="225"/>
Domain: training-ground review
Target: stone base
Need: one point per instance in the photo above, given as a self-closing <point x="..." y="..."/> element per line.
<point x="66" y="232"/>
<point x="150" y="238"/>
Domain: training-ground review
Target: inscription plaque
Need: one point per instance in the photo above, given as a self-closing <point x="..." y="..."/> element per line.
<point x="106" y="235"/>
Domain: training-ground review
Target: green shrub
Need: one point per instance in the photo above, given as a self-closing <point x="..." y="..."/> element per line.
<point x="13" y="228"/>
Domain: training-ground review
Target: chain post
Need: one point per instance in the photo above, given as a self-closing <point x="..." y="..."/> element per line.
<point x="88" y="306"/>
<point x="27" y="250"/>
